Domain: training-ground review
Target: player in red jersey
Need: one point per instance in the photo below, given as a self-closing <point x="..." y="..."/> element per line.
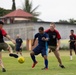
<point x="54" y="42"/>
<point x="4" y="45"/>
<point x="72" y="44"/>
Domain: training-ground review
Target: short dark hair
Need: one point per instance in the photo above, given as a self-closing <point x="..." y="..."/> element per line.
<point x="41" y="28"/>
<point x="53" y="23"/>
<point x="72" y="30"/>
<point x="1" y="23"/>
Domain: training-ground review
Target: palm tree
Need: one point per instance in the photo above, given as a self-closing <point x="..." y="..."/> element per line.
<point x="72" y="21"/>
<point x="27" y="6"/>
<point x="13" y="5"/>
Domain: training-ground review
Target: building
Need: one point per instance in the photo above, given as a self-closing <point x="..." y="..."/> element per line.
<point x="16" y="16"/>
<point x="27" y="30"/>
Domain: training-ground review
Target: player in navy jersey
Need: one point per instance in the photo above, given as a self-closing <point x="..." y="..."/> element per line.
<point x="41" y="48"/>
<point x="72" y="43"/>
<point x="19" y="45"/>
<point x="4" y="45"/>
<point x="54" y="42"/>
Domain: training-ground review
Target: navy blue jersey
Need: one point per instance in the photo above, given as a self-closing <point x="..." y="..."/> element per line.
<point x="40" y="41"/>
<point x="18" y="42"/>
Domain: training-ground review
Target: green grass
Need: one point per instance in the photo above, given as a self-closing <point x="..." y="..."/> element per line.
<point x="15" y="68"/>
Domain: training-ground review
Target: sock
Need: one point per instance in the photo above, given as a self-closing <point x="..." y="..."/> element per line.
<point x="71" y="57"/>
<point x="33" y="58"/>
<point x="46" y="63"/>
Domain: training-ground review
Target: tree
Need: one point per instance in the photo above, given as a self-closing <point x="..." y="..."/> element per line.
<point x="4" y="12"/>
<point x="28" y="7"/>
<point x="72" y="21"/>
<point x="63" y="21"/>
<point x="13" y="5"/>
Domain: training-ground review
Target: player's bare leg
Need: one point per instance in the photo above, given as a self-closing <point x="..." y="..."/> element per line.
<point x="71" y="54"/>
<point x="11" y="52"/>
<point x="58" y="58"/>
<point x="1" y="63"/>
<point x="10" y="49"/>
<point x="21" y="53"/>
<point x="17" y="52"/>
<point x="75" y="52"/>
<point x="75" y="49"/>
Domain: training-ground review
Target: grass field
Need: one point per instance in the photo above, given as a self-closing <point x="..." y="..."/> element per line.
<point x="15" y="68"/>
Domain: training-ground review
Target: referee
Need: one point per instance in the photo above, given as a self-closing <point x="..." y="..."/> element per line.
<point x="19" y="42"/>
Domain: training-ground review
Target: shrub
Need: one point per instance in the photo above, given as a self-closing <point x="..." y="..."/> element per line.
<point x="64" y="47"/>
<point x="24" y="48"/>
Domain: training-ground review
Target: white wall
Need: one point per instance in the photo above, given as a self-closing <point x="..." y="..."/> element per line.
<point x="28" y="29"/>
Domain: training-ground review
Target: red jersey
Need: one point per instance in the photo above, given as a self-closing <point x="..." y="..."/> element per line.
<point x="2" y="33"/>
<point x="53" y="37"/>
<point x="72" y="38"/>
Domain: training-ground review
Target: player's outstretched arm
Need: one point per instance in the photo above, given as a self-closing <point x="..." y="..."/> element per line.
<point x="33" y="41"/>
<point x="45" y="39"/>
<point x="58" y="45"/>
<point x="8" y="37"/>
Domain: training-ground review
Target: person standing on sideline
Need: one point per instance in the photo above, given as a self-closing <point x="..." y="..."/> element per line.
<point x="42" y="47"/>
<point x="19" y="42"/>
<point x="4" y="45"/>
<point x="54" y="42"/>
<point x="72" y="44"/>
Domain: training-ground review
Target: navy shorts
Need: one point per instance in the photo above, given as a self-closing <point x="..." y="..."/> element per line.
<point x="18" y="49"/>
<point x="72" y="46"/>
<point x="43" y="50"/>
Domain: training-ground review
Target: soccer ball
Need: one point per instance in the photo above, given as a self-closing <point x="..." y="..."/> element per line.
<point x="21" y="59"/>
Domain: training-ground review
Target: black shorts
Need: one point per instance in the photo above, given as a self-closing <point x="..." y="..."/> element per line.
<point x="53" y="48"/>
<point x="43" y="50"/>
<point x="72" y="46"/>
<point x="18" y="49"/>
<point x="3" y="46"/>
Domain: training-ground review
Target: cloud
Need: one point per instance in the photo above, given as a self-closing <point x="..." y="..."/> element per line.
<point x="51" y="10"/>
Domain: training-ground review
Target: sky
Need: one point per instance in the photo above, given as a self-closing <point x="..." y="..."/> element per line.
<point x="50" y="10"/>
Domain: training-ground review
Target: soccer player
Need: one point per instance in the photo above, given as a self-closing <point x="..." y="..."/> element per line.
<point x="41" y="48"/>
<point x="72" y="43"/>
<point x="19" y="45"/>
<point x="54" y="42"/>
<point x="4" y="45"/>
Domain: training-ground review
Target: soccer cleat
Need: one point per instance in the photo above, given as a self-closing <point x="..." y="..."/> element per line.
<point x="44" y="68"/>
<point x="62" y="66"/>
<point x="71" y="59"/>
<point x="49" y="51"/>
<point x="13" y="55"/>
<point x="34" y="64"/>
<point x="3" y="70"/>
